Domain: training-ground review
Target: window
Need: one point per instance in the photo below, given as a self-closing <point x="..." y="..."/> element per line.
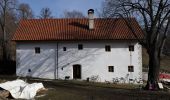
<point x="130" y="69"/>
<point x="80" y="47"/>
<point x="37" y="50"/>
<point x="111" y="68"/>
<point x="64" y="49"/>
<point x="107" y="48"/>
<point x="131" y="48"/>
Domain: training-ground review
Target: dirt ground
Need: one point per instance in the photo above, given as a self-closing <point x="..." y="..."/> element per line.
<point x="72" y="91"/>
<point x="76" y="90"/>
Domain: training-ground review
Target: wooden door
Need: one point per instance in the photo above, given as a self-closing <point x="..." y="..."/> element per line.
<point x="76" y="71"/>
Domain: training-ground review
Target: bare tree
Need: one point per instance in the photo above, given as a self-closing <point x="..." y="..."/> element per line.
<point x="153" y="16"/>
<point x="6" y="7"/>
<point x="73" y="14"/>
<point x="108" y="9"/>
<point x="45" y="13"/>
<point x="24" y="11"/>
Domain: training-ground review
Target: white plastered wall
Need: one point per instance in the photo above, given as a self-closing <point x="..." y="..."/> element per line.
<point x="41" y="65"/>
<point x="94" y="60"/>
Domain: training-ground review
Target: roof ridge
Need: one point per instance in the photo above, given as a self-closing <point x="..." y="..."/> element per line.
<point x="72" y="18"/>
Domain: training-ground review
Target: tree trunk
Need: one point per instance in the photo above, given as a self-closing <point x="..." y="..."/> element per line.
<point x="154" y="67"/>
<point x="5" y="57"/>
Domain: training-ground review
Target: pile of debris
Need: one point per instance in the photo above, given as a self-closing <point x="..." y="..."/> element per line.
<point x="164" y="77"/>
<point x="18" y="89"/>
<point x="165" y="80"/>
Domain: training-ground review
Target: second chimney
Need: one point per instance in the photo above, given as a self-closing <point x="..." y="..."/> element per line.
<point x="91" y="19"/>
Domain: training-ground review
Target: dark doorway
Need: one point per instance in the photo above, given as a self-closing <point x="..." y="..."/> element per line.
<point x="76" y="71"/>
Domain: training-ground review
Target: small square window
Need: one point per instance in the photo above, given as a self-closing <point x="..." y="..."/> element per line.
<point x="107" y="48"/>
<point x="64" y="49"/>
<point x="131" y="48"/>
<point x="130" y="69"/>
<point x="80" y="47"/>
<point x="37" y="50"/>
<point x="111" y="68"/>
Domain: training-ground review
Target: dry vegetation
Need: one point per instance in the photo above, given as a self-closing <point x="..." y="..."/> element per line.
<point x="165" y="62"/>
<point x="77" y="90"/>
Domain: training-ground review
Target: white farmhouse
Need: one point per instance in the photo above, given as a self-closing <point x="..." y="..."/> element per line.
<point x="100" y="49"/>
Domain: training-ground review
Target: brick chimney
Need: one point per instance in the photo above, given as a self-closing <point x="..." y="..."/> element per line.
<point x="91" y="19"/>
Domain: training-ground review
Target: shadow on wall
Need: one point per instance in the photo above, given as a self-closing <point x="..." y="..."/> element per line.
<point x="70" y="57"/>
<point x="89" y="55"/>
<point x="37" y="65"/>
<point x="7" y="68"/>
<point x="42" y="65"/>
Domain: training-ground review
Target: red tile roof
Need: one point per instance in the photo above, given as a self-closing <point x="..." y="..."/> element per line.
<point x="75" y="29"/>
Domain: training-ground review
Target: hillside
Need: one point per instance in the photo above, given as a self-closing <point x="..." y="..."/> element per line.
<point x="165" y="62"/>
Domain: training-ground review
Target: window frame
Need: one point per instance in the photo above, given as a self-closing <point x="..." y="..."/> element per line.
<point x="131" y="48"/>
<point x="110" y="68"/>
<point x="37" y="50"/>
<point x="107" y="48"/>
<point x="80" y="46"/>
<point x="64" y="49"/>
<point x="131" y="68"/>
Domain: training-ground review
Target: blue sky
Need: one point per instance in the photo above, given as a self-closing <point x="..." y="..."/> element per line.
<point x="59" y="6"/>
